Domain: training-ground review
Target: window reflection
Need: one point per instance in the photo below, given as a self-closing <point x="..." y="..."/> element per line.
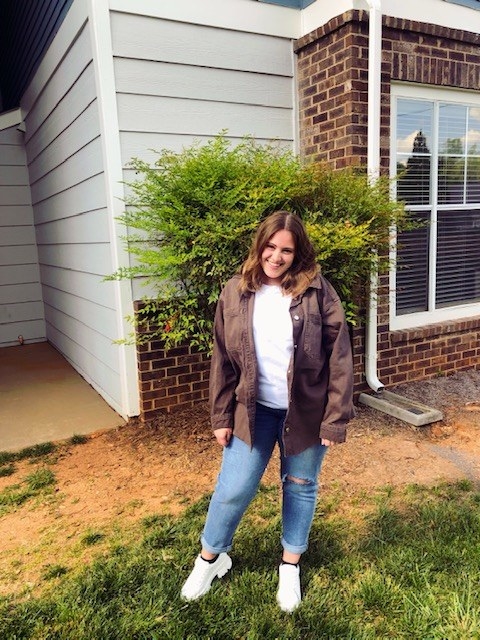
<point x="451" y="180"/>
<point x="413" y="185"/>
<point x="473" y="134"/>
<point x="438" y="177"/>
<point x="414" y="132"/>
<point x="452" y="129"/>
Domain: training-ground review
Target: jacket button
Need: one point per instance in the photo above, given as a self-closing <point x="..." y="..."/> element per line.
<point x="287" y="429"/>
<point x="296" y="318"/>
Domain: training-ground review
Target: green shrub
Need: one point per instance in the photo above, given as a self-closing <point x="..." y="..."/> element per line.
<point x="191" y="217"/>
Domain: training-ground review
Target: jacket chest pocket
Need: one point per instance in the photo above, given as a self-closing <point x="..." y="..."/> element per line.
<point x="312" y="344"/>
<point x="233" y="327"/>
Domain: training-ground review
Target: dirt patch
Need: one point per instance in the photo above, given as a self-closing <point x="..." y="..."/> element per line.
<point x="119" y="476"/>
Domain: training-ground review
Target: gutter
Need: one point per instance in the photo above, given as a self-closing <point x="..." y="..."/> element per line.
<point x="373" y="168"/>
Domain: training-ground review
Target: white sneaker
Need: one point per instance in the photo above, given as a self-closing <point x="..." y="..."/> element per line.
<point x="202" y="575"/>
<point x="289" y="595"/>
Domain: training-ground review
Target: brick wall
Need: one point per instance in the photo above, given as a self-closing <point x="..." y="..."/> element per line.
<point x="332" y="87"/>
<point x="170" y="379"/>
<point x="333" y="107"/>
<point x="431" y="350"/>
<point x="174" y="379"/>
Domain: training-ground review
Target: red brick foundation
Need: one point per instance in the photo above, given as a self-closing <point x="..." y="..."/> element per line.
<point x="174" y="379"/>
<point x="419" y="353"/>
<point x="170" y="379"/>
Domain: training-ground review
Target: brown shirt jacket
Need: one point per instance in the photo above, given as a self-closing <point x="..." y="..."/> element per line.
<point x="320" y="374"/>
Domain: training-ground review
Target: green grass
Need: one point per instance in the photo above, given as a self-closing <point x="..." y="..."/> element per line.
<point x="36" y="451"/>
<point x="78" y="439"/>
<point x="7" y="470"/>
<point x="39" y="482"/>
<point x="91" y="538"/>
<point x="15" y="495"/>
<point x="399" y="564"/>
<point x="7" y="458"/>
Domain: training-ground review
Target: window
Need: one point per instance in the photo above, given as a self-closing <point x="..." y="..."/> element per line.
<point x="436" y="163"/>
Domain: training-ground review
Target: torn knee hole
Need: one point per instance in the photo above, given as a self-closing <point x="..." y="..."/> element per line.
<point x="296" y="480"/>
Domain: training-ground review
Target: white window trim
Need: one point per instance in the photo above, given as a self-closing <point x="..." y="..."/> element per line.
<point x="423" y="92"/>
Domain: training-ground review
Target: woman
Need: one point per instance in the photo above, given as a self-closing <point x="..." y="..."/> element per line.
<point x="281" y="372"/>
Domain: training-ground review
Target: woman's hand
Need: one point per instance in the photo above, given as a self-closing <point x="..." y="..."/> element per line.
<point x="327" y="443"/>
<point x="223" y="436"/>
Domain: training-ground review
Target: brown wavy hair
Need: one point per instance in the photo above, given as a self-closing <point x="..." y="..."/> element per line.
<point x="304" y="267"/>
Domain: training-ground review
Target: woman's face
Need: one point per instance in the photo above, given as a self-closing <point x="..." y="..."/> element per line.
<point x="277" y="256"/>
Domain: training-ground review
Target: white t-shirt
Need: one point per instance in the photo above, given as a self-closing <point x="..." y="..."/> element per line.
<point x="273" y="337"/>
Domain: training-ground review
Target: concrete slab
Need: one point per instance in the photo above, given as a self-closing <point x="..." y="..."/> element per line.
<point x="405" y="409"/>
<point x="43" y="399"/>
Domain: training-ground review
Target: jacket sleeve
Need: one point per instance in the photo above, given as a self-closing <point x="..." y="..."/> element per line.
<point x="336" y="342"/>
<point x="223" y="375"/>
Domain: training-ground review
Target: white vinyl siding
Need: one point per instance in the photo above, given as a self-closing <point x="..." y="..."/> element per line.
<point x="21" y="306"/>
<point x="69" y="201"/>
<point x="179" y="83"/>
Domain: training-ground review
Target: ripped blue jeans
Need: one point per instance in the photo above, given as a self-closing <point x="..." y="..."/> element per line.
<point x="240" y="474"/>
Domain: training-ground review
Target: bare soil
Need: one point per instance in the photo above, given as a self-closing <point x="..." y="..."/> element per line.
<point x="117" y="477"/>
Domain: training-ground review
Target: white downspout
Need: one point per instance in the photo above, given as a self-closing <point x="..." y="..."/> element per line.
<point x="383" y="400"/>
<point x="373" y="167"/>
